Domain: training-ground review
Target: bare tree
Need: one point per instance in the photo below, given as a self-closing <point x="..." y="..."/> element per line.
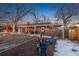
<point x="65" y="13"/>
<point x="36" y="16"/>
<point x="39" y="18"/>
<point x="15" y="15"/>
<point x="45" y="19"/>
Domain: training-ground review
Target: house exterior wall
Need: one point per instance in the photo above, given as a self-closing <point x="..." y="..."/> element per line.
<point x="36" y="29"/>
<point x="47" y="29"/>
<point x="7" y="29"/>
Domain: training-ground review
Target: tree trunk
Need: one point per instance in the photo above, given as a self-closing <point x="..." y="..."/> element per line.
<point x="63" y="32"/>
<point x="14" y="28"/>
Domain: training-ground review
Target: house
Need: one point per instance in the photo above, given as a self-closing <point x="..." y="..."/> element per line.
<point x="45" y="28"/>
<point x="37" y="28"/>
<point x="4" y="27"/>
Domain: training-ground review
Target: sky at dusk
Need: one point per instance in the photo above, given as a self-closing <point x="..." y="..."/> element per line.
<point x="42" y="8"/>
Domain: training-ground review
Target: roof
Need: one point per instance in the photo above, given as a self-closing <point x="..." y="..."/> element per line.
<point x="35" y="24"/>
<point x="38" y="24"/>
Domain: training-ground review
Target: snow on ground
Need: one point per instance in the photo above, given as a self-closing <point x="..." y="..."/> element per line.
<point x="38" y="35"/>
<point x="66" y="48"/>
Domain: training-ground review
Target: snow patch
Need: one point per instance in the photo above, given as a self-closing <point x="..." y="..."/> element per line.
<point x="66" y="48"/>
